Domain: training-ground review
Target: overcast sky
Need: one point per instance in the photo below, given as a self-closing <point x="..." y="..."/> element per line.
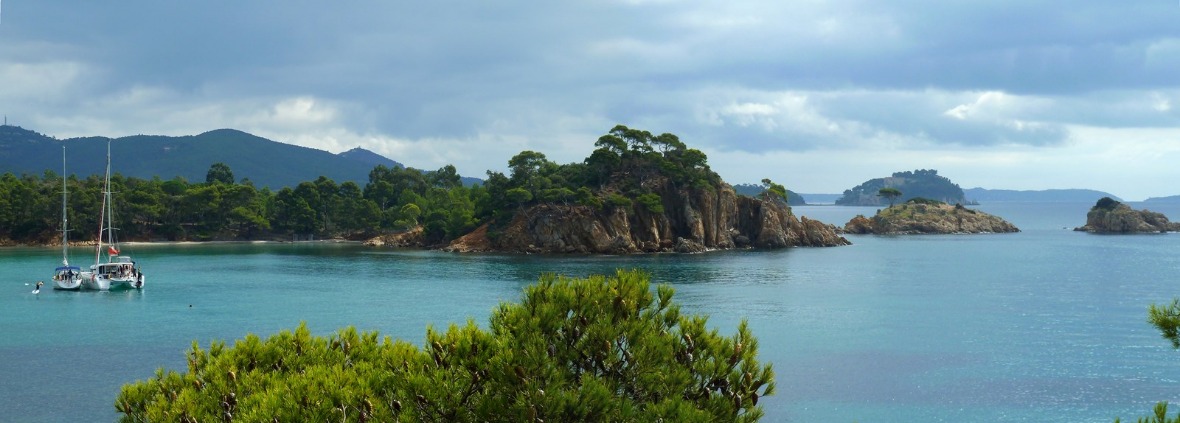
<point x="817" y="95"/>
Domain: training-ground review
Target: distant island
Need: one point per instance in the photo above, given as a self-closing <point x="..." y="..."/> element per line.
<point x="1172" y="199"/>
<point x="820" y="198"/>
<point x="637" y="192"/>
<point x="923" y="216"/>
<point x="922" y="183"/>
<point x="753" y="190"/>
<point x="1048" y="195"/>
<point x="1109" y="216"/>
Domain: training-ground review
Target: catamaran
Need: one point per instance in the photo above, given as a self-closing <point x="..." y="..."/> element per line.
<point x="65" y="276"/>
<point x="118" y="271"/>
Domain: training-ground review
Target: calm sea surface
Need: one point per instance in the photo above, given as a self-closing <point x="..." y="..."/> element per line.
<point x="1047" y="325"/>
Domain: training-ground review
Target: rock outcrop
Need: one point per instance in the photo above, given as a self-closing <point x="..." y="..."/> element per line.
<point x="928" y="218"/>
<point x="1113" y="217"/>
<point x="411" y="238"/>
<point x="693" y="220"/>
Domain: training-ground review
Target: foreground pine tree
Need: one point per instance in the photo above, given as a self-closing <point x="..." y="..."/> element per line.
<point x="594" y="349"/>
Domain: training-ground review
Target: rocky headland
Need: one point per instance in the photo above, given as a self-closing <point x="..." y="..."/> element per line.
<point x="920" y="216"/>
<point x="1109" y="216"/>
<point x="693" y="220"/>
<point x="636" y="193"/>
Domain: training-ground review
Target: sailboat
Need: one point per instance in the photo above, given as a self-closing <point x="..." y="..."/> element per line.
<point x="65" y="276"/>
<point x="118" y="271"/>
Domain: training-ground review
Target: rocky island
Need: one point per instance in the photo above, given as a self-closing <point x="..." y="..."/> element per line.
<point x="694" y="221"/>
<point x="1109" y="216"/>
<point x="636" y="193"/>
<point x="923" y="216"/>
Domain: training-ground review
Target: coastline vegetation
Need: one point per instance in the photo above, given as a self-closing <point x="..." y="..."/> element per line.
<point x="602" y="348"/>
<point x="619" y="173"/>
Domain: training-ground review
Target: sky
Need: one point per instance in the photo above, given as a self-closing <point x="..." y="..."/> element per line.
<point x="817" y="95"/>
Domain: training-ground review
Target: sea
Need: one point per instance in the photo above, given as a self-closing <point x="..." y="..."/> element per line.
<point x="1045" y="325"/>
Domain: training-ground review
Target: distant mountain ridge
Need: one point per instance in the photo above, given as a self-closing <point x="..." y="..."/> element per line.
<point x="1168" y="199"/>
<point x="264" y="162"/>
<point x="366" y="156"/>
<point x="1048" y="195"/>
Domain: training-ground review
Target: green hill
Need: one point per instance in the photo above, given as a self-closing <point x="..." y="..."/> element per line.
<point x="919" y="183"/>
<point x="754" y="190"/>
<point x="264" y="162"/>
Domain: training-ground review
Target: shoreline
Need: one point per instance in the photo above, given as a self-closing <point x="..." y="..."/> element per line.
<point x="167" y="243"/>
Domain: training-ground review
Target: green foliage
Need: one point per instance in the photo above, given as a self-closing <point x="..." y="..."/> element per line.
<point x="1159" y="415"/>
<point x="627" y="162"/>
<point x="519" y="195"/>
<point x="219" y="173"/>
<point x="927" y="201"/>
<point x="594" y="349"/>
<point x="618" y="200"/>
<point x="1107" y="203"/>
<point x="651" y="202"/>
<point x="756" y="190"/>
<point x="773" y="190"/>
<point x="1167" y="320"/>
<point x="889" y="193"/>
<point x="587" y="198"/>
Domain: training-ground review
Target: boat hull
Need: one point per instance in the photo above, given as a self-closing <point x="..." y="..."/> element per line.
<point x="102" y="283"/>
<point x="67" y="278"/>
<point x="120" y="273"/>
<point x="95" y="282"/>
<point x="68" y="284"/>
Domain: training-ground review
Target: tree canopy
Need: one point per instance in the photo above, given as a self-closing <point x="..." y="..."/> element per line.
<point x="594" y="349"/>
<point x="889" y="193"/>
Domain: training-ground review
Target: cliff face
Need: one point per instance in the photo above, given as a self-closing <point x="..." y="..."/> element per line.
<point x="693" y="221"/>
<point x="913" y="218"/>
<point x="1120" y="218"/>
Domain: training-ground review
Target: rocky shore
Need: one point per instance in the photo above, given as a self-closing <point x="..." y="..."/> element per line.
<point x="1109" y="216"/>
<point x="694" y="220"/>
<point x="928" y="217"/>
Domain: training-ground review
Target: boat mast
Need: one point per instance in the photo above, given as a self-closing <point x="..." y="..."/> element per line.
<point x="65" y="225"/>
<point x="106" y="191"/>
<point x="109" y="211"/>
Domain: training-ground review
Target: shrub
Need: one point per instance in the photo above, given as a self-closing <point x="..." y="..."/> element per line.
<point x="594" y="349"/>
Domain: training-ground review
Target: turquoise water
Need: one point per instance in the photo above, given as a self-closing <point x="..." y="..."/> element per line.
<point x="1047" y="325"/>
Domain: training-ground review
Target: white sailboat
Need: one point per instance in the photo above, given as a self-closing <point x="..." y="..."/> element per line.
<point x="65" y="276"/>
<point x="118" y="271"/>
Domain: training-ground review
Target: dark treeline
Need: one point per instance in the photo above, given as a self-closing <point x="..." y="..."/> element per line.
<point x="224" y="209"/>
<point x="627" y="169"/>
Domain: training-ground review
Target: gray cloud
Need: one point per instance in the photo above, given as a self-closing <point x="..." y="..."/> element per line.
<point x="737" y="76"/>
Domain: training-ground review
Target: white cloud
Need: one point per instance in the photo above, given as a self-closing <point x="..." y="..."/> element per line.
<point x="39" y="83"/>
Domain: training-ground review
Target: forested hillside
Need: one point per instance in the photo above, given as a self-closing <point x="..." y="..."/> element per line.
<point x="920" y="183"/>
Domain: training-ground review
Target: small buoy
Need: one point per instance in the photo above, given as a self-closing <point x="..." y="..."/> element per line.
<point x="190" y="306"/>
